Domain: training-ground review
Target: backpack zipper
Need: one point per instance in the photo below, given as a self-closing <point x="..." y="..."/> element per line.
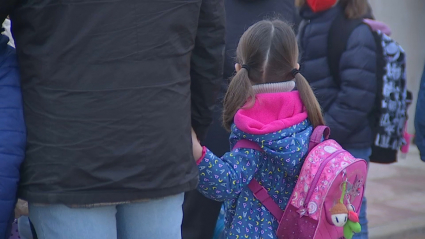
<point x="317" y="176"/>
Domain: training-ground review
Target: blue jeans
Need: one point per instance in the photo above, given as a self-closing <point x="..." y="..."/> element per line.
<point x="24" y="228"/>
<point x="153" y="219"/>
<point x="363" y="154"/>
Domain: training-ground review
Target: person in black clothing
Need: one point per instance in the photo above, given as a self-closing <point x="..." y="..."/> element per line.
<point x="111" y="90"/>
<point x="200" y="213"/>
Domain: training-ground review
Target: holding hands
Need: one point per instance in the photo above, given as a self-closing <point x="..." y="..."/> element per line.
<point x="196" y="146"/>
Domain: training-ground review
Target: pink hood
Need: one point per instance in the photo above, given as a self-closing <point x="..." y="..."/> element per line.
<point x="271" y="112"/>
<point x="376" y="25"/>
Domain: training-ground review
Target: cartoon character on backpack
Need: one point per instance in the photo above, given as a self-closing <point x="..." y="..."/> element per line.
<point x="345" y="216"/>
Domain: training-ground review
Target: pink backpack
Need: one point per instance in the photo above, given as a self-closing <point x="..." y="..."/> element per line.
<point x="329" y="176"/>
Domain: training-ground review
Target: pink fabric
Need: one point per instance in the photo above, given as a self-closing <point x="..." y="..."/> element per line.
<point x="329" y="174"/>
<point x="319" y="132"/>
<point x="407" y="137"/>
<point x="244" y="143"/>
<point x="333" y="166"/>
<point x="204" y="152"/>
<point x="292" y="226"/>
<point x="376" y="25"/>
<point x="271" y="112"/>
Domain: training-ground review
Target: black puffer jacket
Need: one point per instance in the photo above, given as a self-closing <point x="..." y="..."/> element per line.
<point x="107" y="92"/>
<point x="347" y="108"/>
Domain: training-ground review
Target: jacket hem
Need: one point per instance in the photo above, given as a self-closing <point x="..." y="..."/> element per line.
<point x="99" y="197"/>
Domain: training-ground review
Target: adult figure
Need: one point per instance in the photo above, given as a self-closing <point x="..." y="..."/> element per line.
<point x="107" y="93"/>
<point x="200" y="213"/>
<point x="347" y="105"/>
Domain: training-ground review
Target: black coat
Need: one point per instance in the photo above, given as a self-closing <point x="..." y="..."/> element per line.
<point x="347" y="108"/>
<point x="6" y="7"/>
<point x="107" y="92"/>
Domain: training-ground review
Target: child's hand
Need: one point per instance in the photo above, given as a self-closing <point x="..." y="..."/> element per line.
<point x="196" y="146"/>
<point x="21" y="208"/>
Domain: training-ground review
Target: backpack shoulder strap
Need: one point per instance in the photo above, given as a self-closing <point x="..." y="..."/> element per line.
<point x="260" y="193"/>
<point x="339" y="34"/>
<point x="244" y="143"/>
<point x="263" y="196"/>
<point x="319" y="132"/>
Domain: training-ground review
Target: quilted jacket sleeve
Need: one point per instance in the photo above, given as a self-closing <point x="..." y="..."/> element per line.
<point x="224" y="178"/>
<point x="207" y="64"/>
<point x="12" y="132"/>
<point x="356" y="97"/>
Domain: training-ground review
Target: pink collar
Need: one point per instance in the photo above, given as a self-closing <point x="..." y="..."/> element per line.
<point x="271" y="112"/>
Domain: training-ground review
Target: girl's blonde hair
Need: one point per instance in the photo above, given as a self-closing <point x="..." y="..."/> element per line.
<point x="353" y="8"/>
<point x="270" y="50"/>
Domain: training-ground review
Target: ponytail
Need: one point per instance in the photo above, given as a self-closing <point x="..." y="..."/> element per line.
<point x="309" y="100"/>
<point x="239" y="91"/>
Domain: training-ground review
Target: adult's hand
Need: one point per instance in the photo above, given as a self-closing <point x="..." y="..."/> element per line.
<point x="21" y="208"/>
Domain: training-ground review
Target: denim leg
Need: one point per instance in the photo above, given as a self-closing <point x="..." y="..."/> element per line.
<point x="363" y="154"/>
<point x="58" y="221"/>
<point x="153" y="219"/>
<point x="363" y="222"/>
<point x="24" y="228"/>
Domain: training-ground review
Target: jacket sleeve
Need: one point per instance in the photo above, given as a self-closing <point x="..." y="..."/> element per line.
<point x="420" y="119"/>
<point x="12" y="133"/>
<point x="207" y="64"/>
<point x="356" y="97"/>
<point x="224" y="178"/>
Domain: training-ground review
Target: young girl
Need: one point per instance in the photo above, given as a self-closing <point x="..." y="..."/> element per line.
<point x="261" y="106"/>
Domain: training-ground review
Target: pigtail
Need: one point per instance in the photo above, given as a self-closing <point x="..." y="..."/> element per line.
<point x="310" y="101"/>
<point x="239" y="91"/>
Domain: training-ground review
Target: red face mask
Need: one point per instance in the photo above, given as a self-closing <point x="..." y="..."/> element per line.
<point x="321" y="5"/>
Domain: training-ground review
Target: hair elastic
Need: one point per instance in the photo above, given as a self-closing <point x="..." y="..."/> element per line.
<point x="294" y="72"/>
<point x="247" y="67"/>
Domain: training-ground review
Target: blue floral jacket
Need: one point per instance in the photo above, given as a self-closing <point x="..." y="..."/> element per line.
<point x="276" y="168"/>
